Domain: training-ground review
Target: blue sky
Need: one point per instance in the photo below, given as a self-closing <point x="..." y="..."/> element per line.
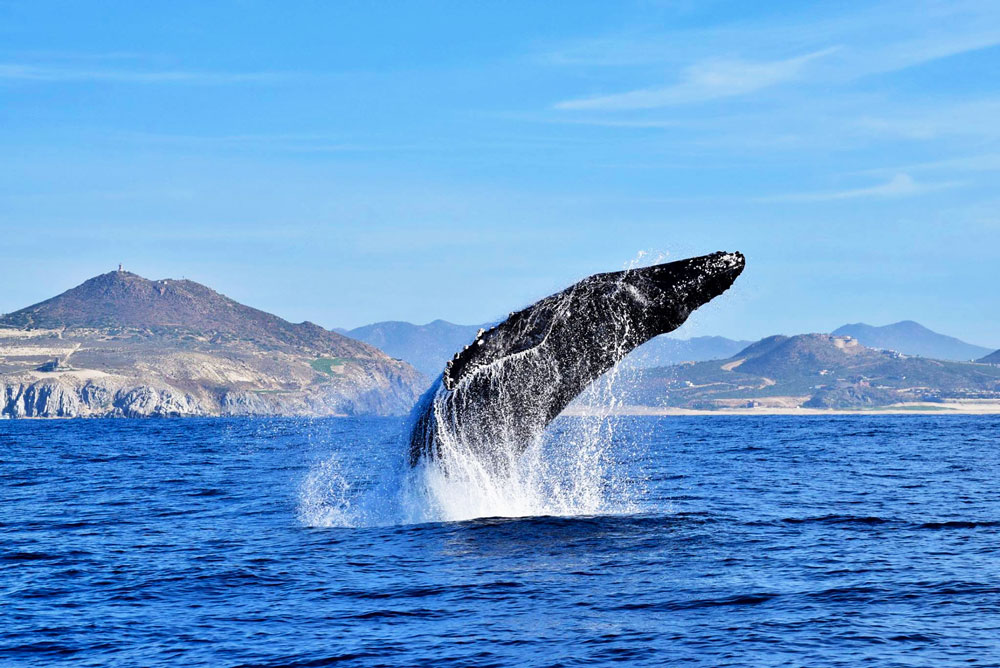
<point x="347" y="162"/>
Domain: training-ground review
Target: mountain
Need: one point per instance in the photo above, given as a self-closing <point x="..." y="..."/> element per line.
<point x="123" y="300"/>
<point x="664" y="350"/>
<point x="123" y="345"/>
<point x="992" y="358"/>
<point x="429" y="347"/>
<point x="813" y="370"/>
<point x="912" y="338"/>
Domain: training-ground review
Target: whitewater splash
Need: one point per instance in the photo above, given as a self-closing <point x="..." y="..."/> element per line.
<point x="574" y="468"/>
<point x="568" y="471"/>
<point x="479" y="446"/>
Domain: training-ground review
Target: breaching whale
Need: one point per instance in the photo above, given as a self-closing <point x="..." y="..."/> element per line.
<point x="501" y="391"/>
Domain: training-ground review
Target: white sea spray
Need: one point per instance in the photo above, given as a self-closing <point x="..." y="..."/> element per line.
<point x="566" y="470"/>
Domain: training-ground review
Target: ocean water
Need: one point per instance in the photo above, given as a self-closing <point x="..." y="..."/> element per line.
<point x="714" y="541"/>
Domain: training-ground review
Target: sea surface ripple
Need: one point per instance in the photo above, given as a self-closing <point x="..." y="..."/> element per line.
<point x="749" y="541"/>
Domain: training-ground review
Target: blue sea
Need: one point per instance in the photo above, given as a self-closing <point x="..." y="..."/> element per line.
<point x="705" y="541"/>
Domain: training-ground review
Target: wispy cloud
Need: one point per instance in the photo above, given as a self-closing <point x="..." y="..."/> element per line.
<point x="878" y="37"/>
<point x="45" y="73"/>
<point x="900" y="185"/>
<point x="986" y="162"/>
<point x="708" y="80"/>
<point x="337" y="143"/>
<point x="304" y="142"/>
<point x="972" y="118"/>
<point x="949" y="32"/>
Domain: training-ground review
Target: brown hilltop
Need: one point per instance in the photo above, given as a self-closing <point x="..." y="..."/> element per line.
<point x="123" y="300"/>
<point x="122" y="345"/>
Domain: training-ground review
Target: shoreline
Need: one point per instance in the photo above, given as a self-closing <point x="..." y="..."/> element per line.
<point x="957" y="407"/>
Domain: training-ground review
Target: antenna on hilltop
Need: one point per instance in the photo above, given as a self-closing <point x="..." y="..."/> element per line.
<point x="120" y="268"/>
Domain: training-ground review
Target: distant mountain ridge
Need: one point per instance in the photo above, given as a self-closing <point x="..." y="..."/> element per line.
<point x="815" y="371"/>
<point x="912" y="338"/>
<point x="992" y="358"/>
<point x="429" y="347"/>
<point x="122" y="345"/>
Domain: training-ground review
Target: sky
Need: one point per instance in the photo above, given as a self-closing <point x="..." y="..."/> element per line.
<point x="352" y="162"/>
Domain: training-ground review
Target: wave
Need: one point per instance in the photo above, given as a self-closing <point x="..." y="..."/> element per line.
<point x="897" y="524"/>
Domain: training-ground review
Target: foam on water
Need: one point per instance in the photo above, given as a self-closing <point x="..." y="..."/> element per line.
<point x="567" y="471"/>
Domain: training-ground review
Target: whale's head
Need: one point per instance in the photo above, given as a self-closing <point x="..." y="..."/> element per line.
<point x="675" y="289"/>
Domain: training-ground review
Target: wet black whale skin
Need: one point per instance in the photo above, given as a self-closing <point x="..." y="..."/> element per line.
<point x="516" y="377"/>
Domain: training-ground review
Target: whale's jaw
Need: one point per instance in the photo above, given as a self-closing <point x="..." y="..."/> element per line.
<point x="501" y="391"/>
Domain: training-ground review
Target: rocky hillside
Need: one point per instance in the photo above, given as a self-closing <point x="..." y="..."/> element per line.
<point x="813" y="370"/>
<point x="123" y="345"/>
